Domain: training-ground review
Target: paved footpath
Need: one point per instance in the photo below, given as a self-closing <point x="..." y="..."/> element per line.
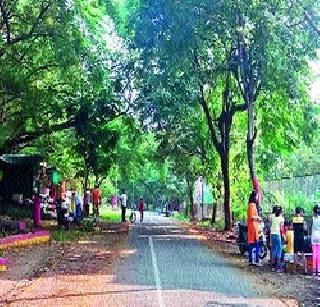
<point x="164" y="266"/>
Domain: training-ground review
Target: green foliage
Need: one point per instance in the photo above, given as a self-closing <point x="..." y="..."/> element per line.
<point x="16" y="212"/>
<point x="113" y="216"/>
<point x="125" y="111"/>
<point x="66" y="236"/>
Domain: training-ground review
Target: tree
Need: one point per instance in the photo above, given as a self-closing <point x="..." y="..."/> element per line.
<point x="39" y="69"/>
<point x="269" y="49"/>
<point x="51" y="52"/>
<point x="198" y="55"/>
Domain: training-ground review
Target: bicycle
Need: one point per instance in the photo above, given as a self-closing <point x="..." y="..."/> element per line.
<point x="132" y="217"/>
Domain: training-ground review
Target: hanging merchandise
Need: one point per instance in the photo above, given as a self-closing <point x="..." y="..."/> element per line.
<point x="208" y="195"/>
<point x="55" y="177"/>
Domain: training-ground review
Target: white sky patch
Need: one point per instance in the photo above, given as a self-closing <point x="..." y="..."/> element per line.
<point x="113" y="40"/>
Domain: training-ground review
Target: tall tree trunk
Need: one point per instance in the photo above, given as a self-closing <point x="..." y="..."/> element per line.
<point x="85" y="188"/>
<point x="224" y="158"/>
<point x="190" y="194"/>
<point x="222" y="147"/>
<point x="214" y="213"/>
<point x="250" y="140"/>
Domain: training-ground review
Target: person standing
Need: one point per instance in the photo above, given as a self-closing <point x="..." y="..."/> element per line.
<point x="96" y="201"/>
<point x="78" y="209"/>
<point x="36" y="210"/>
<point x="72" y="204"/>
<point x="113" y="202"/>
<point x="141" y="209"/>
<point x="277" y="224"/>
<point x="253" y="229"/>
<point x="298" y="236"/>
<point x="315" y="241"/>
<point x="123" y="202"/>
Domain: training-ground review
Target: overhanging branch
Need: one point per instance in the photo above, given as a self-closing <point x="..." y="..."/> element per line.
<point x="23" y="139"/>
<point x="29" y="34"/>
<point x="206" y="111"/>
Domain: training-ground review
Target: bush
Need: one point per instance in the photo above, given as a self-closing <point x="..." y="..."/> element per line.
<point x="63" y="235"/>
<point x="88" y="226"/>
<point x="18" y="212"/>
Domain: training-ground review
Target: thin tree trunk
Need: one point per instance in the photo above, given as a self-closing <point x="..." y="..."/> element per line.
<point x="250" y="140"/>
<point x="190" y="194"/>
<point x="223" y="147"/>
<point x="186" y="211"/>
<point x="226" y="180"/>
<point x="85" y="188"/>
<point x="214" y="213"/>
<point x="86" y="180"/>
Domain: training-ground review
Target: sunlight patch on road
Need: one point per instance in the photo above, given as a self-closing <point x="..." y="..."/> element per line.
<point x="176" y="236"/>
<point x="83" y="242"/>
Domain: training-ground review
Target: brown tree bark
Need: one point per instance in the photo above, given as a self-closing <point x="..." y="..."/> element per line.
<point x="223" y="149"/>
<point x="190" y="195"/>
<point x="227" y="195"/>
<point x="85" y="188"/>
<point x="250" y="140"/>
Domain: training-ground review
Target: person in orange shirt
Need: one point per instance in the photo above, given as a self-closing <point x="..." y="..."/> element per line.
<point x="253" y="229"/>
<point x="96" y="201"/>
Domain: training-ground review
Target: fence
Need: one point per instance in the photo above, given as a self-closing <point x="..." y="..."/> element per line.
<point x="291" y="193"/>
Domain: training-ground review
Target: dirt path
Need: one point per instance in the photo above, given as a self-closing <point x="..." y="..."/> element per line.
<point x="62" y="274"/>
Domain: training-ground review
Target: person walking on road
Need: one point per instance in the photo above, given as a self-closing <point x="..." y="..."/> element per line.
<point x="253" y="229"/>
<point x="123" y="202"/>
<point x="141" y="209"/>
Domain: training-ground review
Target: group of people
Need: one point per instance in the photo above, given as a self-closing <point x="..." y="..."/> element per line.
<point x="69" y="206"/>
<point x="283" y="236"/>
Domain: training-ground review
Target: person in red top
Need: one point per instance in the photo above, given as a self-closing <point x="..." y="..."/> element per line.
<point x="253" y="228"/>
<point x="141" y="209"/>
<point x="96" y="201"/>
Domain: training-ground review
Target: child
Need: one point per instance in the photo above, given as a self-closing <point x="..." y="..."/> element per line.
<point x="289" y="243"/>
<point x="298" y="230"/>
<point x="315" y="240"/>
<point x="276" y="243"/>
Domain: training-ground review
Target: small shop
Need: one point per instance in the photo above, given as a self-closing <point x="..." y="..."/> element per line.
<point x="17" y="173"/>
<point x="21" y="175"/>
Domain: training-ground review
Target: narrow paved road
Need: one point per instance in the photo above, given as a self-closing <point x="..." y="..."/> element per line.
<point x="162" y="266"/>
<point x="171" y="268"/>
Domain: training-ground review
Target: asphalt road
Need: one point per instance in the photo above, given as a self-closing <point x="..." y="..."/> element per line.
<point x="161" y="266"/>
<point x="171" y="268"/>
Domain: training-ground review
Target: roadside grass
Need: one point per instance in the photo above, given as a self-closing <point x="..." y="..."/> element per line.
<point x="218" y="225"/>
<point x="61" y="235"/>
<point x="181" y="217"/>
<point x="107" y="214"/>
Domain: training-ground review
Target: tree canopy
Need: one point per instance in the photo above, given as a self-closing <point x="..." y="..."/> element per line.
<point x="146" y="94"/>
